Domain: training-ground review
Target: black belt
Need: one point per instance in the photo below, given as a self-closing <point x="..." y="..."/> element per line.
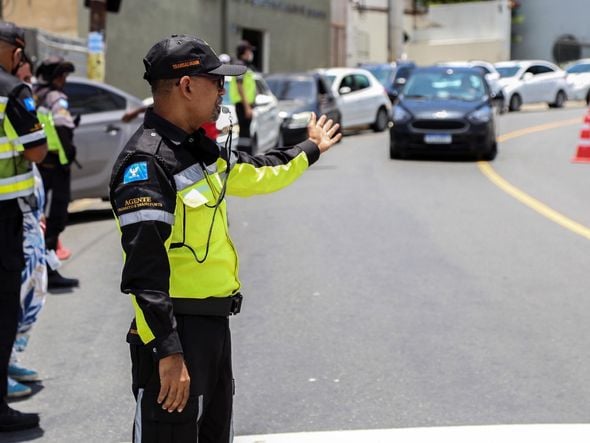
<point x="218" y="306"/>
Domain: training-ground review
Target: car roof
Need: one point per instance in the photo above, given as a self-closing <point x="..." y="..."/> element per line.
<point x="114" y="89"/>
<point x="442" y="68"/>
<point x="294" y="75"/>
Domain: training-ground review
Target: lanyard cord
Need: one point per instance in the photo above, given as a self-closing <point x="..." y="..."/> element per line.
<point x="215" y="207"/>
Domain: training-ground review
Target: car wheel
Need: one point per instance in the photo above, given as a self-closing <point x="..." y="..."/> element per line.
<point x="588" y="98"/>
<point x="560" y="99"/>
<point x="515" y="103"/>
<point x="491" y="153"/>
<point x="381" y="121"/>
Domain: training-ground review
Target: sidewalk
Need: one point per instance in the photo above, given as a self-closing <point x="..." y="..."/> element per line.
<point x="549" y="433"/>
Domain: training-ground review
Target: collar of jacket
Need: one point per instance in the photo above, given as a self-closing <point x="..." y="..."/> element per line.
<point x="197" y="143"/>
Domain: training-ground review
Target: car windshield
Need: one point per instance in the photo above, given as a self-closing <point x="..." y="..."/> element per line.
<point x="292" y="89"/>
<point x="225" y="100"/>
<point x="579" y="68"/>
<point x="383" y="74"/>
<point x="445" y="85"/>
<point x="507" y="71"/>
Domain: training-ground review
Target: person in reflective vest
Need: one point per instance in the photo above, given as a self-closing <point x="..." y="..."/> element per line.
<point x="22" y="141"/>
<point x="242" y="94"/>
<point x="53" y="112"/>
<point x="180" y="268"/>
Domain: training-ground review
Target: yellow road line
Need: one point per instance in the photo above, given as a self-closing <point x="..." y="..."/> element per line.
<point x="523" y="197"/>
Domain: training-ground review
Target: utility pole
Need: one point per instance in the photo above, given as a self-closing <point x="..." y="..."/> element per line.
<point x="224" y="26"/>
<point x="395" y="31"/>
<point x="98" y="16"/>
<point x="96" y="39"/>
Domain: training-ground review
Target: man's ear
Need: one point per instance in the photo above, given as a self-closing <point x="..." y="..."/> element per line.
<point x="185" y="86"/>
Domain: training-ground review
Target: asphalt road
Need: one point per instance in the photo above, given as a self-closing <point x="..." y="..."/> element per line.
<point x="380" y="294"/>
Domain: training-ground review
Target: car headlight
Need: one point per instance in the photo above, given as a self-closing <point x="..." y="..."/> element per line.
<point x="400" y="115"/>
<point x="283" y="115"/>
<point x="299" y="120"/>
<point x="481" y="115"/>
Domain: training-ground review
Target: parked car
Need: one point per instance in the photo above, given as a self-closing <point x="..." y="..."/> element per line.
<point x="532" y="81"/>
<point x="361" y="98"/>
<point x="101" y="134"/>
<point x="299" y="95"/>
<point x="393" y="76"/>
<point x="445" y="111"/>
<point x="578" y="80"/>
<point x="490" y="73"/>
<point x="265" y="129"/>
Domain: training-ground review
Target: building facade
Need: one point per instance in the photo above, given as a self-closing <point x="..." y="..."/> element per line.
<point x="290" y="35"/>
<point x="542" y="23"/>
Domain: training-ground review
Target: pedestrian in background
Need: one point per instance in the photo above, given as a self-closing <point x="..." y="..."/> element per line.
<point x="56" y="168"/>
<point x="34" y="274"/>
<point x="24" y="143"/>
<point x="168" y="193"/>
<point x="242" y="94"/>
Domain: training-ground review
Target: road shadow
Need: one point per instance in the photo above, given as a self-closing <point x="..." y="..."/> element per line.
<point x="89" y="215"/>
<point x="20" y="436"/>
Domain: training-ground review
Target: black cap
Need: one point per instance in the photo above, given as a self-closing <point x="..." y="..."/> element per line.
<point x="243" y="46"/>
<point x="181" y="55"/>
<point x="53" y="67"/>
<point x="12" y="34"/>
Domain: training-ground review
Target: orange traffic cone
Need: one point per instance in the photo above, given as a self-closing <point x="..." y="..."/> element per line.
<point x="583" y="152"/>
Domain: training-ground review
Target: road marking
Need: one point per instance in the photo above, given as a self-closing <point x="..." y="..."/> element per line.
<point x="523" y="197"/>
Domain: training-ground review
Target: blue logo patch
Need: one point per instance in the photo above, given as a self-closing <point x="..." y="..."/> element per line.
<point x="63" y="103"/>
<point x="135" y="172"/>
<point x="29" y="104"/>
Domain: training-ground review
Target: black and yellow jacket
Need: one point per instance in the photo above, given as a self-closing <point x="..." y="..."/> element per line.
<point x="167" y="193"/>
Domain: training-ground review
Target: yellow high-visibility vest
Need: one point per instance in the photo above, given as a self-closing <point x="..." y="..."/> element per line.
<point x="53" y="142"/>
<point x="16" y="174"/>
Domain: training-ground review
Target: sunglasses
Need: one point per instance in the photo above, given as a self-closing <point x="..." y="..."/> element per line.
<point x="219" y="79"/>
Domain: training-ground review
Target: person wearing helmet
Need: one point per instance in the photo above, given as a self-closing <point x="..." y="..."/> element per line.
<point x="59" y="126"/>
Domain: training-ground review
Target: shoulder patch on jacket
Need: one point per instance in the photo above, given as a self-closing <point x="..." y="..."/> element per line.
<point x="135" y="172"/>
<point x="29" y="103"/>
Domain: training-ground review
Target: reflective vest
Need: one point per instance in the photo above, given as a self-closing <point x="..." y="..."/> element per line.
<point x="248" y="85"/>
<point x="53" y="142"/>
<point x="16" y="174"/>
<point x="199" y="226"/>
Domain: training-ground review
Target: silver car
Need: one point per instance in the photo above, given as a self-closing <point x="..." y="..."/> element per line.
<point x="101" y="134"/>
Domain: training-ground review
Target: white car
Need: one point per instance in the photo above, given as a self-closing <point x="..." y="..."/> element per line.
<point x="578" y="80"/>
<point x="532" y="81"/>
<point x="361" y="98"/>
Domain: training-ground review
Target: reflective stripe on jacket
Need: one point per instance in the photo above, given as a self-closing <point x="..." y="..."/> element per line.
<point x="16" y="175"/>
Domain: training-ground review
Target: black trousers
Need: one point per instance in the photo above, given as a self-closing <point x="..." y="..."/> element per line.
<point x="57" y="184"/>
<point x="11" y="265"/>
<point x="207" y="417"/>
<point x="244" y="139"/>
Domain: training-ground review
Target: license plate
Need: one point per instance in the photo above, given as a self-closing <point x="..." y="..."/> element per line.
<point x="438" y="139"/>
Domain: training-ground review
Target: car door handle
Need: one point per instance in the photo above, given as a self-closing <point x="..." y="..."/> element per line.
<point x="112" y="129"/>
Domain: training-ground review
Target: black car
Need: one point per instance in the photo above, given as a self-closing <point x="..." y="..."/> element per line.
<point x="393" y="76"/>
<point x="444" y="110"/>
<point x="299" y="95"/>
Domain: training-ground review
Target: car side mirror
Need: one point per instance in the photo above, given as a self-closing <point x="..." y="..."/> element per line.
<point x="345" y="90"/>
<point x="527" y="76"/>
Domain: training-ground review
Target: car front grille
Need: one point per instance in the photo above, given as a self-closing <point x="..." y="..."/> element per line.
<point x="439" y="125"/>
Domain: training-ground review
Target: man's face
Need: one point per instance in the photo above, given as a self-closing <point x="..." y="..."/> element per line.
<point x="211" y="93"/>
